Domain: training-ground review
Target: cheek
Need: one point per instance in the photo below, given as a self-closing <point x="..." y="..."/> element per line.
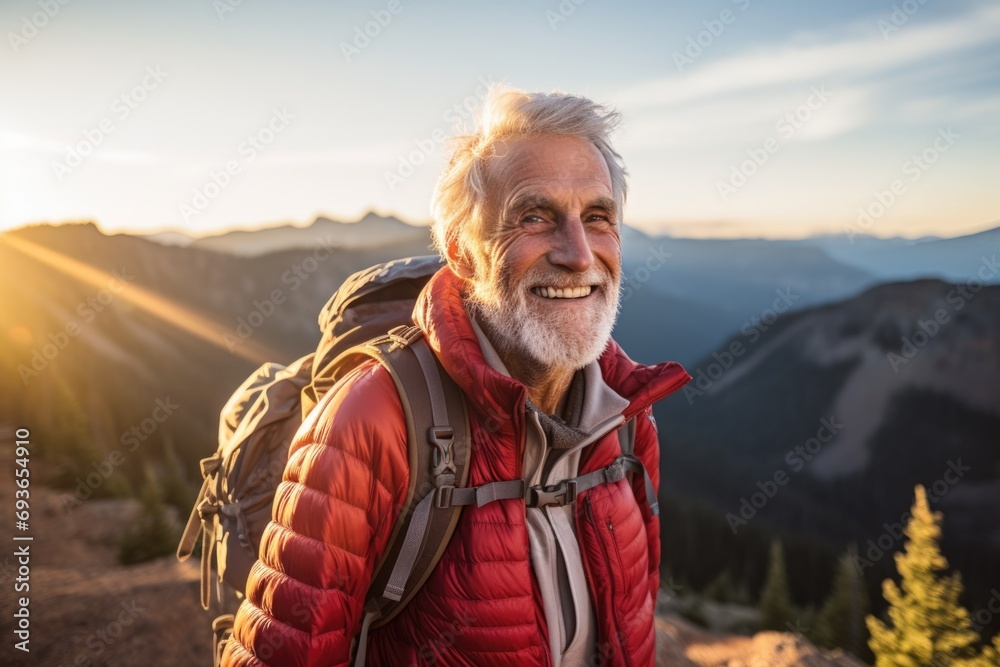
<point x="520" y="256"/>
<point x="609" y="251"/>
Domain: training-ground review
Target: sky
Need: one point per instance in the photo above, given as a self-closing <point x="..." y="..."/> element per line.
<point x="742" y="118"/>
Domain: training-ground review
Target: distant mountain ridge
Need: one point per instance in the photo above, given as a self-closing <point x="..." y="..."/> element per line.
<point x="880" y="259"/>
<point x="371" y="231"/>
<point x="955" y="259"/>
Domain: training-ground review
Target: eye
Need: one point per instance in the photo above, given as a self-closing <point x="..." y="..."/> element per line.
<point x="531" y="218"/>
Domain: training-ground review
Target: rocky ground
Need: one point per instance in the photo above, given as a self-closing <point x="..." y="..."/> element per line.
<point x="682" y="644"/>
<point x="87" y="610"/>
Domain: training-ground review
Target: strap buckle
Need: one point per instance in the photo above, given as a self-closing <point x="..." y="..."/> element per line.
<point x="560" y="494"/>
<point x="443" y="457"/>
<point x="402" y="336"/>
<point x="207" y="507"/>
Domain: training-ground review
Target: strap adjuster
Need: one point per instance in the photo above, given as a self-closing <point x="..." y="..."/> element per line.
<point x="615" y="471"/>
<point x="442" y="497"/>
<point x="560" y="494"/>
<point x="442" y="436"/>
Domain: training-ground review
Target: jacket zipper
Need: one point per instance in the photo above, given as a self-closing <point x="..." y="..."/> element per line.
<point x="617" y="634"/>
<point x="618" y="552"/>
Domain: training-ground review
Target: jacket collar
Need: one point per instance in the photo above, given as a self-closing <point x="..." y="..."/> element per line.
<point x="440" y="312"/>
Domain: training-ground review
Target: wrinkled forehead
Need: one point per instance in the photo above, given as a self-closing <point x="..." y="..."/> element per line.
<point x="558" y="163"/>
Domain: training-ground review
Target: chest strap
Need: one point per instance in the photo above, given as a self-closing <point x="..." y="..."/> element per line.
<point x="560" y="494"/>
<point x="563" y="493"/>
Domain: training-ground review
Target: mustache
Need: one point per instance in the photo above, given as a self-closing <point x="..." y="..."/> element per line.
<point x="561" y="280"/>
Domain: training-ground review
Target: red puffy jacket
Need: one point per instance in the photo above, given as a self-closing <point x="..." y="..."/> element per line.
<point x="347" y="475"/>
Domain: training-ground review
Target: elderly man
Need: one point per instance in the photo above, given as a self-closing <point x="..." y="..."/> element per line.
<point x="527" y="214"/>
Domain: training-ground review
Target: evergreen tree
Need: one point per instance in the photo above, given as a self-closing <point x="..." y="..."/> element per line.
<point x="721" y="588"/>
<point x="175" y="488"/>
<point x="991" y="654"/>
<point x="841" y="620"/>
<point x="927" y="625"/>
<point x="152" y="535"/>
<point x="776" y="609"/>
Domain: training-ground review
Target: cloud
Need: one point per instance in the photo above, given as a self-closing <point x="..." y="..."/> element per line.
<point x="847" y="51"/>
<point x="751" y="118"/>
<point x="740" y="99"/>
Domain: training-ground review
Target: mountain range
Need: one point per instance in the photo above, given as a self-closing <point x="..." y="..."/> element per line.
<point x="851" y="371"/>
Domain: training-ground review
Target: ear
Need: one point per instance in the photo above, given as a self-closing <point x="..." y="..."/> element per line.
<point x="458" y="262"/>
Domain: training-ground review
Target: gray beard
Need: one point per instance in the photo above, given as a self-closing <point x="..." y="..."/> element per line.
<point x="560" y="340"/>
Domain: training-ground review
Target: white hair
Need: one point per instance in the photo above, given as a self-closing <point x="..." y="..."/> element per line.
<point x="460" y="195"/>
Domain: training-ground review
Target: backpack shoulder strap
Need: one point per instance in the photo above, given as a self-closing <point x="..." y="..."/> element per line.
<point x="438" y="434"/>
<point x="626" y="437"/>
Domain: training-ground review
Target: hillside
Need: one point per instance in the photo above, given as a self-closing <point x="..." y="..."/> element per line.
<point x="830" y="417"/>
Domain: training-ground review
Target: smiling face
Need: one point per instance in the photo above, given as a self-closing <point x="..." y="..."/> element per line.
<point x="545" y="281"/>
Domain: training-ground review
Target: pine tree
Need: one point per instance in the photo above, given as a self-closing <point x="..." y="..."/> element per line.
<point x="775" y="602"/>
<point x="152" y="534"/>
<point x="841" y="620"/>
<point x="927" y="625"/>
<point x="721" y="589"/>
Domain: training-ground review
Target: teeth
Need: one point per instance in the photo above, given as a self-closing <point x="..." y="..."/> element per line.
<point x="563" y="292"/>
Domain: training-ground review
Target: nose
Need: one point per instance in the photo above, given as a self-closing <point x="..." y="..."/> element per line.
<point x="572" y="249"/>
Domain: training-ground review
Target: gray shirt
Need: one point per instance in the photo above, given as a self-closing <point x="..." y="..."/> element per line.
<point x="553" y="445"/>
